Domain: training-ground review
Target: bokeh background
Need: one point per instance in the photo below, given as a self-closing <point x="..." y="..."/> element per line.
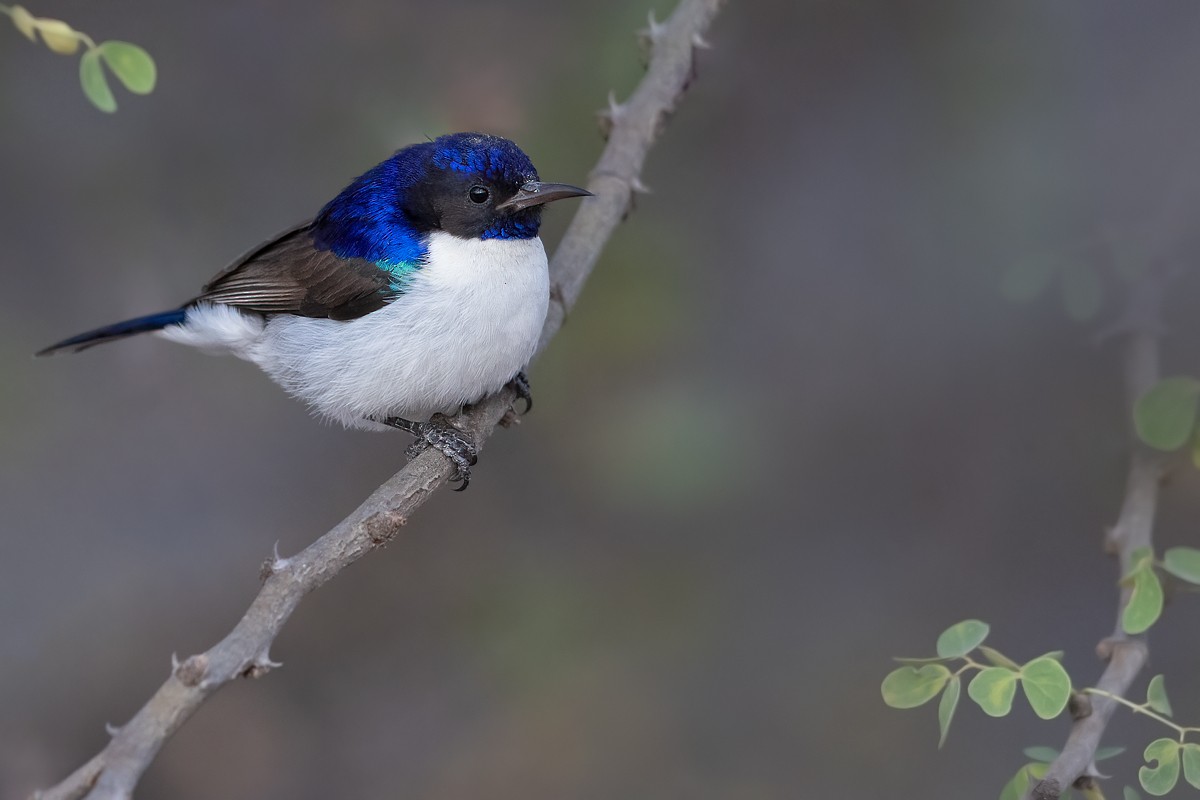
<point x="793" y="428"/>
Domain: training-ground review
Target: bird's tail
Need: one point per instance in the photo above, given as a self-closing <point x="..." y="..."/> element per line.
<point x="119" y="330"/>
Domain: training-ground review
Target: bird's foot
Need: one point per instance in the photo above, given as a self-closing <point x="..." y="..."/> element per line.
<point x="438" y="432"/>
<point x="520" y="385"/>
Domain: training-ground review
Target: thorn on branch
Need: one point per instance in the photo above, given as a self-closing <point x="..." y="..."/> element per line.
<point x="192" y="671"/>
<point x="276" y="563"/>
<point x="258" y="667"/>
<point x="610" y="116"/>
<point x="1111" y="544"/>
<point x="649" y="36"/>
<point x="111" y="730"/>
<point x="615" y="110"/>
<point x="653" y="27"/>
<point x="636" y="187"/>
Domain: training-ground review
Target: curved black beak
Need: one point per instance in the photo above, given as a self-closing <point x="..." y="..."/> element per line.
<point x="535" y="193"/>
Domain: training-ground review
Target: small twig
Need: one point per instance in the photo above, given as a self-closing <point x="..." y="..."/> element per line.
<point x="115" y="771"/>
<point x="1126" y="654"/>
<point x="1143" y="708"/>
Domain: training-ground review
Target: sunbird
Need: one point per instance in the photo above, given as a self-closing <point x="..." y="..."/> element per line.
<point x="422" y="287"/>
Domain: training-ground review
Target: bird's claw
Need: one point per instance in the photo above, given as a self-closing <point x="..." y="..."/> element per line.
<point x="520" y="385"/>
<point x="439" y="433"/>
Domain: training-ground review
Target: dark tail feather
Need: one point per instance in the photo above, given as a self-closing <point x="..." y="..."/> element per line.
<point x="119" y="330"/>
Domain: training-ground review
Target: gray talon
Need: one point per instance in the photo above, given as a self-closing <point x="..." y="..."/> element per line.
<point x="520" y="385"/>
<point x="450" y="441"/>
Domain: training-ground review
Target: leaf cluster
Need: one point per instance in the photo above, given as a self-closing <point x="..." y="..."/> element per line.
<point x="1080" y="285"/>
<point x="1047" y="687"/>
<point x="1045" y="683"/>
<point x="132" y="65"/>
<point x="1076" y="269"/>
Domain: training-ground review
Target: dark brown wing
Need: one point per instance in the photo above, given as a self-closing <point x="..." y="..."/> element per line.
<point x="288" y="275"/>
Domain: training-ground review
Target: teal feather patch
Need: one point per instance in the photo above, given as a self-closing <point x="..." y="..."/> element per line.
<point x="401" y="272"/>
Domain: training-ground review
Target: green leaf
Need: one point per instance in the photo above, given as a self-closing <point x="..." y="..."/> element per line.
<point x="1166" y="414"/>
<point x="1018" y="787"/>
<point x="58" y="35"/>
<point x="1156" y="696"/>
<point x="1041" y="753"/>
<point x="1191" y="763"/>
<point x="998" y="658"/>
<point x="1108" y="752"/>
<point x="1047" y="686"/>
<point x="1026" y="279"/>
<point x="1140" y="558"/>
<point x="992" y="689"/>
<point x="1132" y="794"/>
<point x="961" y="638"/>
<point x="95" y="86"/>
<point x="1145" y="603"/>
<point x="132" y="65"/>
<point x="946" y="707"/>
<point x="1057" y="655"/>
<point x="1082" y="291"/>
<point x="1160" y="779"/>
<point x="909" y="687"/>
<point x="23" y="21"/>
<point x="1183" y="563"/>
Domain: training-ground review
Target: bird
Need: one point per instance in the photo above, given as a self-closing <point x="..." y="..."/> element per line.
<point x="421" y="288"/>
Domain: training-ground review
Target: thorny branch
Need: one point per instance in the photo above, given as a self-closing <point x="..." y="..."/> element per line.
<point x="1125" y="654"/>
<point x="632" y="127"/>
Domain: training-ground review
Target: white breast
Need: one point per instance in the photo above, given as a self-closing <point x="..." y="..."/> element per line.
<point x="467" y="323"/>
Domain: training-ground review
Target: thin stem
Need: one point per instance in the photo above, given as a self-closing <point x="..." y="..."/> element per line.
<point x="1126" y="654"/>
<point x="1141" y="708"/>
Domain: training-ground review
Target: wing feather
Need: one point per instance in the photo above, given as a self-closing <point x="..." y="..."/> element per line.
<point x="289" y="275"/>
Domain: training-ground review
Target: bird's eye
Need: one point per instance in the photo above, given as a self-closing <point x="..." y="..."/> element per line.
<point x="479" y="194"/>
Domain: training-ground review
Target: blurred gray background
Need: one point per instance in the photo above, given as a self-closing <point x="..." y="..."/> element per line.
<point x="793" y="428"/>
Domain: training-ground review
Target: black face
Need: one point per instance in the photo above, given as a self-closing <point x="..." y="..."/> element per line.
<point x="465" y="205"/>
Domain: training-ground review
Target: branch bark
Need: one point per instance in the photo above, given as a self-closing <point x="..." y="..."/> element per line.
<point x="632" y="128"/>
<point x="1125" y="654"/>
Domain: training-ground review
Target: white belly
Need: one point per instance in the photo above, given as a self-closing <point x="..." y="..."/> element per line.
<point x="467" y="323"/>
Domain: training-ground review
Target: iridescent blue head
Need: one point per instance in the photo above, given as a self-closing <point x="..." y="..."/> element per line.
<point x="470" y="185"/>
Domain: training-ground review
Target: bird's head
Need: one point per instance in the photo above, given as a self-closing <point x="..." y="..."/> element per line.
<point x="479" y="187"/>
<point x="469" y="185"/>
